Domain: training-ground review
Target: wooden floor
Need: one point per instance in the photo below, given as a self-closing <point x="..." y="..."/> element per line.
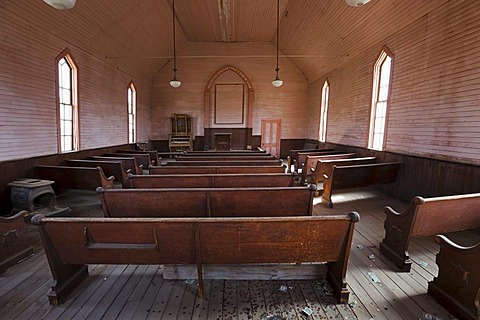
<point x="378" y="291"/>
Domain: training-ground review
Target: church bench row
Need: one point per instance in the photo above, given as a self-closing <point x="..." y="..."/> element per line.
<point x="312" y="160"/>
<point x="225" y="163"/>
<point x="13" y="245"/>
<point x="457" y="286"/>
<point x="129" y="163"/>
<point x="324" y="168"/>
<point x="152" y="153"/>
<point x="361" y="175"/>
<point x="427" y="217"/>
<point x="215" y="169"/>
<point x="207" y="202"/>
<point x="143" y="159"/>
<point x="299" y="163"/>
<point x="293" y="154"/>
<point x="85" y="178"/>
<point x="73" y="243"/>
<point x="212" y="180"/>
<point x="223" y="158"/>
<point x="110" y="168"/>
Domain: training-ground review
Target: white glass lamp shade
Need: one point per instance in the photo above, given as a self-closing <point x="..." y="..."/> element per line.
<point x="357" y="3"/>
<point x="277" y="83"/>
<point x="175" y="83"/>
<point x="61" y="4"/>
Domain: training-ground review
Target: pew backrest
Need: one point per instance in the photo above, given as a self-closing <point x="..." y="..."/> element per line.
<point x="142" y="158"/>
<point x="311" y="162"/>
<point x="224" y="158"/>
<point x="299" y="162"/>
<point x="74" y="177"/>
<point x="71" y="244"/>
<point x="153" y="155"/>
<point x="110" y="168"/>
<point x="212" y="180"/>
<point x="215" y="169"/>
<point x="225" y="163"/>
<point x="323" y="168"/>
<point x="207" y="202"/>
<point x="427" y="217"/>
<point x="130" y="163"/>
<point x="361" y="175"/>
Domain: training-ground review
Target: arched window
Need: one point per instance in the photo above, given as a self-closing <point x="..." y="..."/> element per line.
<point x="68" y="127"/>
<point x="382" y="76"/>
<point x="324" y="111"/>
<point x="132" y="113"/>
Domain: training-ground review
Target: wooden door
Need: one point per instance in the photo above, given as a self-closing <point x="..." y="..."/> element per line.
<point x="271" y="130"/>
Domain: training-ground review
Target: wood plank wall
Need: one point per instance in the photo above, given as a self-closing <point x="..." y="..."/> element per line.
<point x="28" y="49"/>
<point x="288" y="102"/>
<point x="434" y="109"/>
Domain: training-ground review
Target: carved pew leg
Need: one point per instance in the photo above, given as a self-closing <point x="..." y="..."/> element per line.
<point x="337" y="282"/>
<point x="399" y="256"/>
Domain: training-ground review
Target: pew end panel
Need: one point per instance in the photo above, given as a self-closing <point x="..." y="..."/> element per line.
<point x="13" y="244"/>
<point x="427" y="217"/>
<point x="397" y="234"/>
<point x="457" y="285"/>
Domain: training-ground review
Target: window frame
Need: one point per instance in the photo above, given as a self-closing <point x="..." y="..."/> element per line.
<point x="376" y="89"/>
<point x="324" y="105"/>
<point x="132" y="93"/>
<point x="65" y="54"/>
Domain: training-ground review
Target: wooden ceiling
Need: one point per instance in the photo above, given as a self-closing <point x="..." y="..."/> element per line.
<point x="316" y="35"/>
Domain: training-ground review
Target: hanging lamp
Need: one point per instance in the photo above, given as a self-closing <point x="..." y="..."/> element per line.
<point x="277" y="82"/>
<point x="175" y="83"/>
<point x="61" y="4"/>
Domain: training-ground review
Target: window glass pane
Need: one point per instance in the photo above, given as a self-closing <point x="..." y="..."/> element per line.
<point x="68" y="143"/>
<point x="65" y="96"/>
<point x="68" y="113"/>
<point x="68" y="128"/>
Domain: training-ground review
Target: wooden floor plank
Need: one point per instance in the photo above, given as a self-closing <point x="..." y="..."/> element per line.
<point x="145" y="305"/>
<point x="215" y="305"/>
<point x="201" y="304"/>
<point x="121" y="275"/>
<point x="189" y="300"/>
<point x="160" y="302"/>
<point x="173" y="303"/>
<point x="138" y="293"/>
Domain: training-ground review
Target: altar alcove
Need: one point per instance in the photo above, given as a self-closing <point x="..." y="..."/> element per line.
<point x="228" y="102"/>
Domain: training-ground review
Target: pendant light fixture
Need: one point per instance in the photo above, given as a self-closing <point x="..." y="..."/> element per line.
<point x="61" y="4"/>
<point x="277" y="82"/>
<point x="175" y="83"/>
<point x="356" y="3"/>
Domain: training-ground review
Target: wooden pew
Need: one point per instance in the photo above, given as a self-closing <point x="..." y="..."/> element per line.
<point x="293" y="154"/>
<point x="130" y="163"/>
<point x="224" y="158"/>
<point x="226" y="163"/>
<point x="73" y="243"/>
<point x="224" y="152"/>
<point x="207" y="202"/>
<point x="13" y="245"/>
<point x="152" y="153"/>
<point x="302" y="157"/>
<point x="324" y="168"/>
<point x="110" y="168"/>
<point x="74" y="177"/>
<point x="427" y="217"/>
<point x="215" y="169"/>
<point x="361" y="175"/>
<point x="311" y="162"/>
<point x="457" y="286"/>
<point x="212" y="180"/>
<point x="142" y="158"/>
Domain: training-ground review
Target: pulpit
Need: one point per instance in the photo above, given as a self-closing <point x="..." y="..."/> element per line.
<point x="223" y="141"/>
<point x="181" y="135"/>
